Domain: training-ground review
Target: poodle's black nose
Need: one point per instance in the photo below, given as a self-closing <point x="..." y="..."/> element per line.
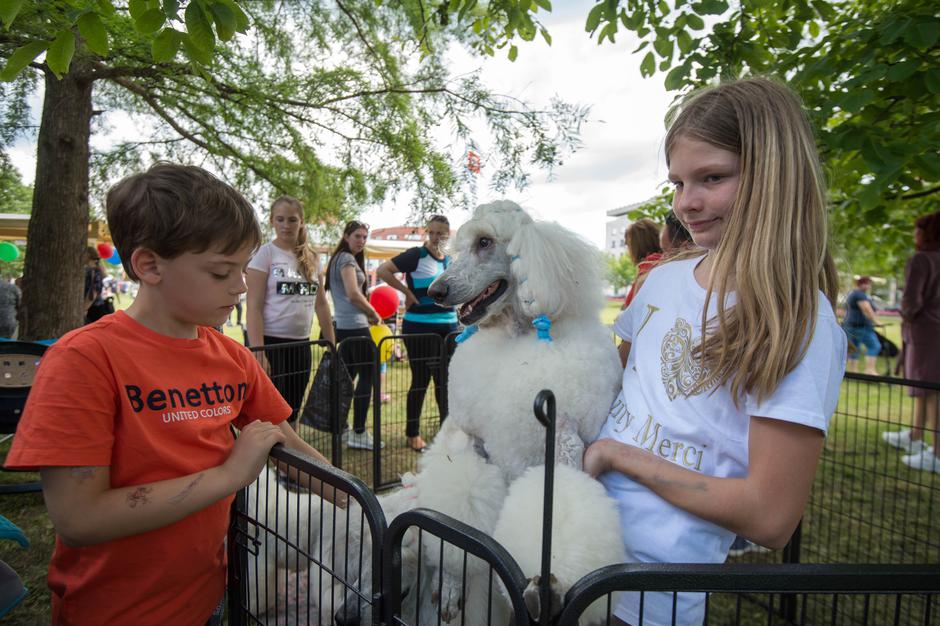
<point x="438" y="291"/>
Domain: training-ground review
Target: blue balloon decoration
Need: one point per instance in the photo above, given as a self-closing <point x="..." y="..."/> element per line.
<point x="114" y="259"/>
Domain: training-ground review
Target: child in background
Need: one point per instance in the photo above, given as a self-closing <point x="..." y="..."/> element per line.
<point x="129" y="418"/>
<point x="733" y="355"/>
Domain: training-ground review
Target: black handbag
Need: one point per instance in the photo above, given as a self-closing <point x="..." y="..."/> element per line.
<point x="316" y="411"/>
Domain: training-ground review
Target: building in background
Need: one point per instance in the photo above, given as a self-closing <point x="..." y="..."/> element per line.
<point x="399" y="233"/>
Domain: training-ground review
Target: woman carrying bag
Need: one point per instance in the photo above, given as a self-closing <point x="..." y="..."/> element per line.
<point x="352" y="314"/>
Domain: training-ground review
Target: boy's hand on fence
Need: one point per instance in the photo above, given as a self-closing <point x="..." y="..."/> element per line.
<point x="250" y="452"/>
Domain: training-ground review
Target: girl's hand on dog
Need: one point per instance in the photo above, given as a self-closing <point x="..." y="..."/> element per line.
<point x="250" y="452"/>
<point x="598" y="457"/>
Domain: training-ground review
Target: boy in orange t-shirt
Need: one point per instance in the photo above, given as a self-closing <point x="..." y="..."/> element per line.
<point x="128" y="419"/>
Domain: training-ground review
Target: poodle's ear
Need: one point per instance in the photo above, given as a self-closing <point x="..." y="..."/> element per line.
<point x="555" y="270"/>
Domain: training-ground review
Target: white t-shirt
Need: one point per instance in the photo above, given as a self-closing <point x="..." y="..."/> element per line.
<point x="704" y="432"/>
<point x="289" y="297"/>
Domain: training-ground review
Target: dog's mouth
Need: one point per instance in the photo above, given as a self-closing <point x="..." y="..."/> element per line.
<point x="473" y="311"/>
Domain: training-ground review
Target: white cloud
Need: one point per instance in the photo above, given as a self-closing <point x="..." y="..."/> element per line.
<point x="620" y="161"/>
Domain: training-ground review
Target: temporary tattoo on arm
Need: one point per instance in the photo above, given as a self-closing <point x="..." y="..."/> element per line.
<point x="81" y="474"/>
<point x="185" y="492"/>
<point x="139" y="496"/>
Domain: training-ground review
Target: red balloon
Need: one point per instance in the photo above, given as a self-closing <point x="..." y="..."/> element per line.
<point x="384" y="300"/>
<point x="105" y="250"/>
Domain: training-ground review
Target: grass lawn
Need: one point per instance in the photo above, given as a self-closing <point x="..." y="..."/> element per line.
<point x="865" y="506"/>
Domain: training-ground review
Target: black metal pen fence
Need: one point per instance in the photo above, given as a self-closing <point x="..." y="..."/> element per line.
<point x="406" y="394"/>
<point x="866" y="506"/>
<point x="298" y="559"/>
<point x="768" y="594"/>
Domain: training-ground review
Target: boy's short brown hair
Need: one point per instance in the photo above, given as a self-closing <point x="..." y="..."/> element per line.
<point x="173" y="209"/>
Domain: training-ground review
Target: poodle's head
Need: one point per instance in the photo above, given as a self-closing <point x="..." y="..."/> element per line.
<point x="510" y="269"/>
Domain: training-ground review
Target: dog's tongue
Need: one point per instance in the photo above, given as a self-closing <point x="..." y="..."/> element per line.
<point x="467" y="308"/>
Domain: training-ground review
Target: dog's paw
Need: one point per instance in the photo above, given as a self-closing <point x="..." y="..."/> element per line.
<point x="449" y="601"/>
<point x="533" y="601"/>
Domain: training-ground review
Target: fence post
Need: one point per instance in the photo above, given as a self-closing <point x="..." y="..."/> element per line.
<point x="336" y="430"/>
<point x="545" y="413"/>
<point x="791" y="554"/>
<point x="443" y="363"/>
<point x="237" y="562"/>
<point x="376" y="414"/>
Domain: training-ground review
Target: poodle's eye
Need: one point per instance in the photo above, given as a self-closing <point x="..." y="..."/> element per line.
<point x="484" y="242"/>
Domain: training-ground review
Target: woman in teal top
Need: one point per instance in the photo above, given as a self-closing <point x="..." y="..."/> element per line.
<point x="421" y="266"/>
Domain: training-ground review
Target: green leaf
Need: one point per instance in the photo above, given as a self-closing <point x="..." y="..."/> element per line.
<point x="648" y="65"/>
<point x="94" y="33"/>
<point x="594" y="18"/>
<point x="513" y="53"/>
<point x="893" y="29"/>
<point x="9" y="9"/>
<point x="676" y="77"/>
<point x="197" y="54"/>
<point x="241" y="20"/>
<point x="150" y="21"/>
<point x="932" y="78"/>
<point x="165" y="45"/>
<point x="171" y="9"/>
<point x="106" y="8"/>
<point x="544" y="4"/>
<point x="813" y="29"/>
<point x="684" y="40"/>
<point x="225" y="22"/>
<point x="856" y="99"/>
<point x="199" y="28"/>
<point x="900" y="72"/>
<point x="137" y="8"/>
<point x="924" y="34"/>
<point x="694" y="21"/>
<point x="710" y="7"/>
<point x="60" y="52"/>
<point x="546" y="36"/>
<point x="22" y="57"/>
<point x="663" y="47"/>
<point x="930" y="163"/>
<point x="869" y="196"/>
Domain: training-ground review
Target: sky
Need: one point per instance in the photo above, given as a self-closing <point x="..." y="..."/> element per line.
<point x="620" y="161"/>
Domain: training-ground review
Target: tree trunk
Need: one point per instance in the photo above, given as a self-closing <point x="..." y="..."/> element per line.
<point x="53" y="275"/>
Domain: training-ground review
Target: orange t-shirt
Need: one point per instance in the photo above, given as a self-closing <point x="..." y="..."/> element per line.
<point x="152" y="408"/>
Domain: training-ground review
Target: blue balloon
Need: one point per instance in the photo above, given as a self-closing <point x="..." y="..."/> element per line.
<point x="114" y="259"/>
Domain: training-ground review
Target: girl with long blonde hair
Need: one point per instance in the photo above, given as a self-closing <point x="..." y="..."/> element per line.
<point x="733" y="355"/>
<point x="284" y="291"/>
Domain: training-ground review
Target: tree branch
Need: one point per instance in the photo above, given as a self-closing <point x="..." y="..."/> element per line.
<point x="920" y="194"/>
<point x="362" y="37"/>
<point x="159" y="110"/>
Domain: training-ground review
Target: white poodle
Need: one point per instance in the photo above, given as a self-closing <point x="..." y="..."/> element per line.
<point x="530" y="296"/>
<point x="283" y="519"/>
<point x="511" y="272"/>
<point x="585" y="533"/>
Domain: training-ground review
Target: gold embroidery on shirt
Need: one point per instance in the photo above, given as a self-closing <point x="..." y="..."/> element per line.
<point x="681" y="371"/>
